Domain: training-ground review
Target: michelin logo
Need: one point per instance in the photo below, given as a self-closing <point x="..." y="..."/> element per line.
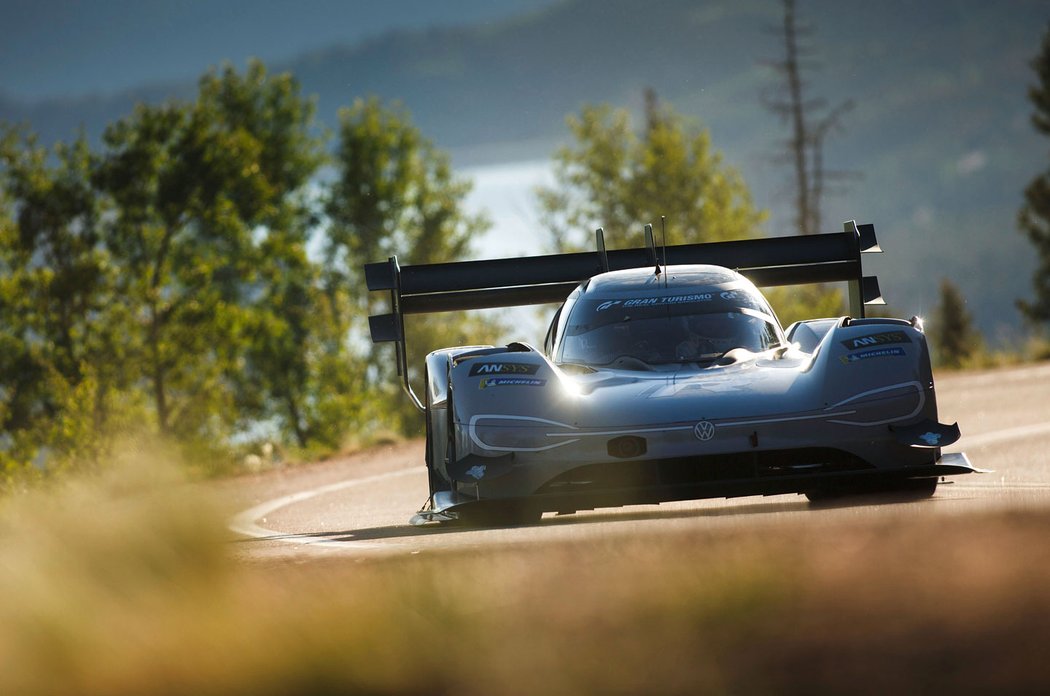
<point x="511" y="382"/>
<point x="866" y="354"/>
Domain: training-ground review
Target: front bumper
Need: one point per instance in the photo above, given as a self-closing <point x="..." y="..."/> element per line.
<point x="448" y="505"/>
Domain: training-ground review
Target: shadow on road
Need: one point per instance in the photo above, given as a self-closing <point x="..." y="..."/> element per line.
<point x="611" y="515"/>
<point x="584" y="518"/>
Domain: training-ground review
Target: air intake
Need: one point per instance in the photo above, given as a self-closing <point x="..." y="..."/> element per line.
<point x="627" y="446"/>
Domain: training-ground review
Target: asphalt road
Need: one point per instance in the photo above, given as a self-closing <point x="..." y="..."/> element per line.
<point x="360" y="505"/>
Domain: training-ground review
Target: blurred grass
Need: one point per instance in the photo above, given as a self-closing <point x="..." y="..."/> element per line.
<point x="124" y="582"/>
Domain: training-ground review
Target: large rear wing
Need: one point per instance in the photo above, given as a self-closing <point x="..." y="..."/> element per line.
<point x="508" y="282"/>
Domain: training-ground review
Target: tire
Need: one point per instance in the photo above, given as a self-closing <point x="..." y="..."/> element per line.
<point x="903" y="490"/>
<point x="823" y="495"/>
<point x="438" y="442"/>
<point x="916" y="489"/>
<point x="494" y="515"/>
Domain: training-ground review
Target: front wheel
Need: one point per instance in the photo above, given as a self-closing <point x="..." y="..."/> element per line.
<point x="917" y="488"/>
<point x="438" y="442"/>
<point x="495" y="515"/>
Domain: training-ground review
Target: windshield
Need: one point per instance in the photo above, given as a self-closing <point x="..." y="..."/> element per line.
<point x="662" y="332"/>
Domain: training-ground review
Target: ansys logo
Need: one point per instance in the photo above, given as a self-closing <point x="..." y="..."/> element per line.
<point x="502" y="368"/>
<point x="879" y="339"/>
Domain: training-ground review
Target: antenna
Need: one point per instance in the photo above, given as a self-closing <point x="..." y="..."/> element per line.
<point x="663" y="233"/>
<point x="651" y="246"/>
<point x="603" y="258"/>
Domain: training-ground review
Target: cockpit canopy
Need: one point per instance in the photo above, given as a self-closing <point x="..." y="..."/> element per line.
<point x="678" y="323"/>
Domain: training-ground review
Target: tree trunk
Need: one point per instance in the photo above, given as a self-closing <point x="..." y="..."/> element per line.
<point x="293" y="413"/>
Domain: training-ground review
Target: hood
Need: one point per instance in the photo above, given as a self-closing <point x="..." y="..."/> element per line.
<point x="755" y="387"/>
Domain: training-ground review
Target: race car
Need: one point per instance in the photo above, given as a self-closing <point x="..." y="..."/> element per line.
<point x="665" y="375"/>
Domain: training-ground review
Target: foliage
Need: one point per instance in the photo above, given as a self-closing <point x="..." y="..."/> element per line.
<point x="61" y="323"/>
<point x="288" y="342"/>
<point x="396" y="195"/>
<point x="956" y="341"/>
<point x="170" y="279"/>
<point x="1034" y="217"/>
<point x="210" y="231"/>
<point x="801" y="302"/>
<point x="620" y="180"/>
<point x="124" y="583"/>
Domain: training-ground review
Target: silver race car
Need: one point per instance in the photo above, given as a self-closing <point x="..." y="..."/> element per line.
<point x="665" y="375"/>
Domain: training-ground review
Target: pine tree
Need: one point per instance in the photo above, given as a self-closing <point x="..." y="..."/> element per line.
<point x="956" y="341"/>
<point x="1034" y="217"/>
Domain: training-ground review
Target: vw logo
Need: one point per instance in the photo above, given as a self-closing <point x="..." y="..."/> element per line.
<point x="704" y="430"/>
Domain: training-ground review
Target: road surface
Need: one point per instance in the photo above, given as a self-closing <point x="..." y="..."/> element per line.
<point x="361" y="504"/>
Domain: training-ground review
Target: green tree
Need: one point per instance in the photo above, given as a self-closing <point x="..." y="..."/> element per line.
<point x="298" y="353"/>
<point x="618" y="179"/>
<point x="183" y="252"/>
<point x="1034" y="217"/>
<point x="285" y="337"/>
<point x="208" y="214"/>
<point x="166" y="277"/>
<point x="60" y="347"/>
<point x="395" y="194"/>
<point x="955" y="339"/>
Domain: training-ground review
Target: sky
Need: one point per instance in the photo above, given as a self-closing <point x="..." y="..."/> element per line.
<point x="52" y="48"/>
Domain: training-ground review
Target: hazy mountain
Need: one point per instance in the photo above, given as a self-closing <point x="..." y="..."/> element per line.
<point x="939" y="142"/>
<point x="59" y="48"/>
